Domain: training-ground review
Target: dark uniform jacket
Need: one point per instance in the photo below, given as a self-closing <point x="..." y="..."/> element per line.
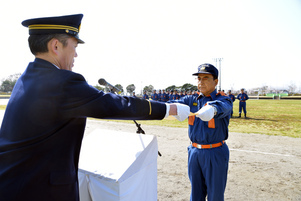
<point x="43" y="127"/>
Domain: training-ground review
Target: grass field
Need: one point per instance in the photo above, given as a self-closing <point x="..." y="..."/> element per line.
<point x="272" y="117"/>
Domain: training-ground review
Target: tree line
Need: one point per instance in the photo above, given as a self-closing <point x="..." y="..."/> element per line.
<point x="149" y="89"/>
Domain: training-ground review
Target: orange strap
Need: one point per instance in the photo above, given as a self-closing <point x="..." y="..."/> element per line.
<point x="211" y="123"/>
<point x="207" y="146"/>
<point x="191" y="120"/>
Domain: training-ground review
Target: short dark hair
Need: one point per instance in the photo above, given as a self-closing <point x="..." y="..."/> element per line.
<point x="38" y="43"/>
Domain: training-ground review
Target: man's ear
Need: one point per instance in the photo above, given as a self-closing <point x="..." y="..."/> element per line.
<point x="53" y="46"/>
<point x="216" y="82"/>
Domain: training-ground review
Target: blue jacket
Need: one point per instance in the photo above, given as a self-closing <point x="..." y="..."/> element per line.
<point x="154" y="96"/>
<point x="159" y="96"/>
<point x="43" y="126"/>
<point x="242" y="97"/>
<point x="164" y="97"/>
<point x="232" y="97"/>
<point x="145" y="96"/>
<point x="176" y="97"/>
<point x="214" y="131"/>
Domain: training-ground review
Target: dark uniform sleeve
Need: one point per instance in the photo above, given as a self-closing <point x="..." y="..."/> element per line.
<point x="83" y="100"/>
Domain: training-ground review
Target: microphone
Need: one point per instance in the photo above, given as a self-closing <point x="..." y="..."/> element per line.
<point x="102" y="81"/>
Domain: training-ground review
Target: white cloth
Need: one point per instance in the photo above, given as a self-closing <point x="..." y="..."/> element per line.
<point x="167" y="110"/>
<point x="206" y="113"/>
<point x="116" y="165"/>
<point x="182" y="111"/>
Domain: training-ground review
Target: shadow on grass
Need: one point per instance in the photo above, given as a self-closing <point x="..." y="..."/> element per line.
<point x="251" y="118"/>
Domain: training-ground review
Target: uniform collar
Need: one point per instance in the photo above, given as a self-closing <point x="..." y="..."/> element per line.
<point x="45" y="61"/>
<point x="212" y="95"/>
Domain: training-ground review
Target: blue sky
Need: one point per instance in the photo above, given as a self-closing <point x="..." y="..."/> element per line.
<point x="162" y="42"/>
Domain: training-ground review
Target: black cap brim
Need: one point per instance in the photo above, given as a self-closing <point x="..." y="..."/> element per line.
<point x="79" y="40"/>
<point x="202" y="72"/>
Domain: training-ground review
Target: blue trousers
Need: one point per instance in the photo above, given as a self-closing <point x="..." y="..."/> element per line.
<point x="207" y="171"/>
<point x="242" y="105"/>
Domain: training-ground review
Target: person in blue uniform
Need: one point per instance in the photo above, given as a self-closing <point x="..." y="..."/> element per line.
<point x="44" y="121"/>
<point x="159" y="95"/>
<point x="164" y="96"/>
<point x="167" y="95"/>
<point x="176" y="96"/>
<point x="232" y="98"/>
<point x="145" y="96"/>
<point x="242" y="97"/>
<point x="154" y="95"/>
<point x="171" y="95"/>
<point x="195" y="93"/>
<point x="208" y="154"/>
<point x="182" y="94"/>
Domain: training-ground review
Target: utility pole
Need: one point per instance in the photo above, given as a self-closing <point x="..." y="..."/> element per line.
<point x="219" y="71"/>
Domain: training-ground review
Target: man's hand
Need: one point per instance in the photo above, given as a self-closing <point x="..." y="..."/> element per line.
<point x="206" y="113"/>
<point x="179" y="111"/>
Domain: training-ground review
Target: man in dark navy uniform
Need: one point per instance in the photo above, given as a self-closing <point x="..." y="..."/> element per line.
<point x="44" y="122"/>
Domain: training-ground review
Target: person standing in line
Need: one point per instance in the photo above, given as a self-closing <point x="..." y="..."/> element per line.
<point x="164" y="96"/>
<point x="159" y="95"/>
<point x="182" y="94"/>
<point x="208" y="154"/>
<point x="167" y="95"/>
<point x="232" y="98"/>
<point x="45" y="118"/>
<point x="195" y="93"/>
<point x="145" y="96"/>
<point x="176" y="96"/>
<point x="171" y="95"/>
<point x="154" y="96"/>
<point x="242" y="97"/>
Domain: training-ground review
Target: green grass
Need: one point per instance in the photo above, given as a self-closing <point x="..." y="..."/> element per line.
<point x="271" y="117"/>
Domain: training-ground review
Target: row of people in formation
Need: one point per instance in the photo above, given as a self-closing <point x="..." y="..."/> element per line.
<point x="165" y="96"/>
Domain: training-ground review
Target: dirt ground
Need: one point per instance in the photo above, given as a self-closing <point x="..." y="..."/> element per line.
<point x="261" y="167"/>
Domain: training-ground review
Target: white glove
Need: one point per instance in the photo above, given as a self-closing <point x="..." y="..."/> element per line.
<point x="206" y="113"/>
<point x="182" y="111"/>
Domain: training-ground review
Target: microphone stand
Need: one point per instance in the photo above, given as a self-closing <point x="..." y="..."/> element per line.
<point x="139" y="129"/>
